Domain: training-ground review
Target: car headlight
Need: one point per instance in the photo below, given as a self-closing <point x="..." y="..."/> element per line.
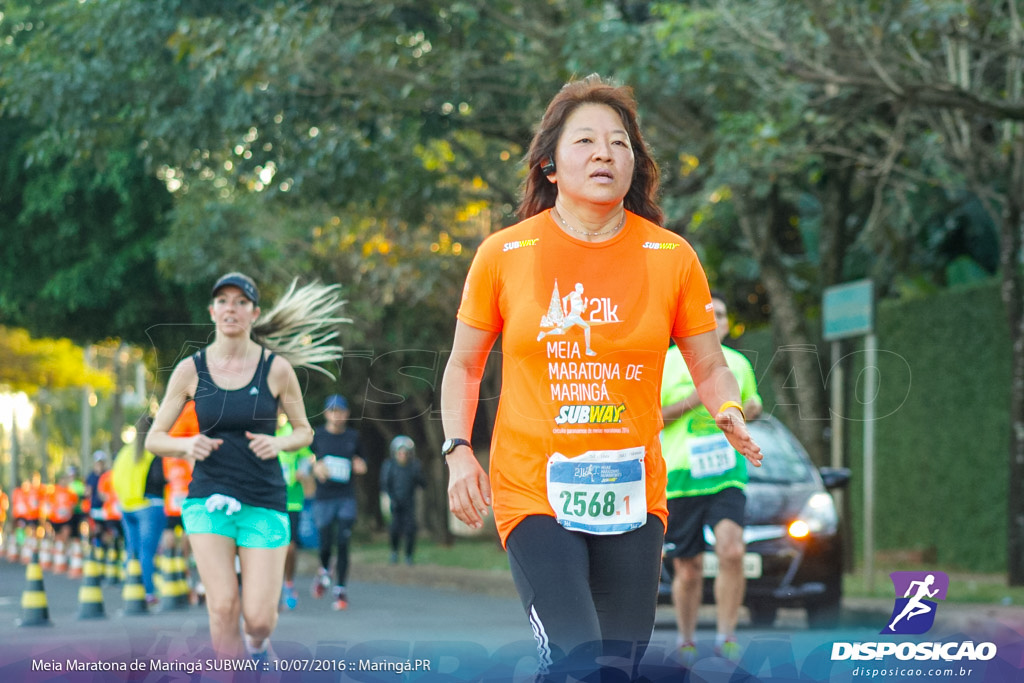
<point x="818" y="517"/>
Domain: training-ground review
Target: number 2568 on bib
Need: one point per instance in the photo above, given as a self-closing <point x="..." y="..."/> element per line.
<point x="599" y="492"/>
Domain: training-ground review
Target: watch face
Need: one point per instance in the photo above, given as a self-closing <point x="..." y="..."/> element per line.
<point x="451" y="444"/>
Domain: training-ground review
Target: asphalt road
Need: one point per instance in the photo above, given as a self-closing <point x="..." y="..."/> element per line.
<point x="398" y="629"/>
<point x="403" y="622"/>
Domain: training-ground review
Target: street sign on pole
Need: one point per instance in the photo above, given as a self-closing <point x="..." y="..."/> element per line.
<point x="848" y="310"/>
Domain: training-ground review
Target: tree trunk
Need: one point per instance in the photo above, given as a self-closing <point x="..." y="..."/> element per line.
<point x="834" y="234"/>
<point x="436" y="495"/>
<point x="1012" y="291"/>
<point x="795" y="364"/>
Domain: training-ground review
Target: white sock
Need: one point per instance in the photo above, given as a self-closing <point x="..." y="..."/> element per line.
<point x="720" y="639"/>
<point x="251" y="647"/>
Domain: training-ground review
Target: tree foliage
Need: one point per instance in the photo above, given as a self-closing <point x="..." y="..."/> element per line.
<point x="921" y="103"/>
<point x="29" y="364"/>
<point x="153" y="146"/>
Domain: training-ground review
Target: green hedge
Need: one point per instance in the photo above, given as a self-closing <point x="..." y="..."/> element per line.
<point x="942" y="429"/>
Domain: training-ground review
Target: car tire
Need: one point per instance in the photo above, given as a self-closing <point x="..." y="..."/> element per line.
<point x="762" y="613"/>
<point x="824" y="614"/>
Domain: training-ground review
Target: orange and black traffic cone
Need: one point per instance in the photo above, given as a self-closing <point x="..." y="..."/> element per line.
<point x="34" y="610"/>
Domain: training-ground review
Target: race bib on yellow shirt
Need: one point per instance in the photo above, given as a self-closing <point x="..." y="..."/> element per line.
<point x="599" y="492"/>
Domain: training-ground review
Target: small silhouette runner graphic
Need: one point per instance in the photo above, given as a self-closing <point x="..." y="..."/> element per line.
<point x="914" y="606"/>
<point x="572" y="308"/>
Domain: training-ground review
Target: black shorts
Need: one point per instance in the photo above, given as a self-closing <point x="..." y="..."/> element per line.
<point x="688" y="515"/>
<point x="58" y="527"/>
<point x="173" y="522"/>
<point x="111" y="526"/>
<point x="76" y="524"/>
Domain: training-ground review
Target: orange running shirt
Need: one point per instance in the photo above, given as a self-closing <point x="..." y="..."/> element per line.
<point x="61" y="504"/>
<point x="548" y="294"/>
<point x="177" y="474"/>
<point x="26" y="502"/>
<point x="111" y="506"/>
<point x="186" y="424"/>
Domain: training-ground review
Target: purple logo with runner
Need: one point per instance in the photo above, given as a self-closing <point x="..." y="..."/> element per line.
<point x="914" y="612"/>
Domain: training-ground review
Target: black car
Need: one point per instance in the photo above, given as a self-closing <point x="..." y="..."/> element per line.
<point x="794" y="554"/>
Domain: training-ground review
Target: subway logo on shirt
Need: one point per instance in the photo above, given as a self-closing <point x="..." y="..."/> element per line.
<point x="599" y="414"/>
<point x="519" y="244"/>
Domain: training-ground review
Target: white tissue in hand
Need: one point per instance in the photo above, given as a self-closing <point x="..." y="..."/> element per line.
<point x="219" y="501"/>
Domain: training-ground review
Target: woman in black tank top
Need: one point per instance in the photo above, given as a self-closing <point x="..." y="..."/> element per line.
<point x="236" y="501"/>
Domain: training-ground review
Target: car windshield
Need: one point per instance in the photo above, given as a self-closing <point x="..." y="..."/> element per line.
<point x="785" y="461"/>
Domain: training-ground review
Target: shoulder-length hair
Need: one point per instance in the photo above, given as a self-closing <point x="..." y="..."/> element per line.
<point x="539" y="193"/>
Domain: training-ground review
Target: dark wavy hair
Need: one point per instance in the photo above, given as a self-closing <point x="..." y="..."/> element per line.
<point x="539" y="193"/>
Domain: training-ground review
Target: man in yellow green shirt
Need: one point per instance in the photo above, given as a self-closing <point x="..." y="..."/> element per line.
<point x="706" y="481"/>
<point x="295" y="465"/>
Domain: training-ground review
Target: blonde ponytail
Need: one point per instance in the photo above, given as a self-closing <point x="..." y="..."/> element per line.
<point x="302" y="324"/>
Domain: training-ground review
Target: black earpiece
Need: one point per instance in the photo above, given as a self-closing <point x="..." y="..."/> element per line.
<point x="548" y="167"/>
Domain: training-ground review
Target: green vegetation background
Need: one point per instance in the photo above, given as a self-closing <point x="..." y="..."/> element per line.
<point x="940" y="433"/>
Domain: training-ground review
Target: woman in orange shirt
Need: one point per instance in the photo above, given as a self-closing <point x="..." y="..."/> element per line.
<point x="586" y="292"/>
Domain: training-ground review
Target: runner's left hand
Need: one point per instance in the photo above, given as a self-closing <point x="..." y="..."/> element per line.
<point x="263" y="445"/>
<point x="735" y="430"/>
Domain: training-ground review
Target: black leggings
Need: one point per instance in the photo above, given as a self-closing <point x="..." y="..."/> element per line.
<point x="403" y="527"/>
<point x="340" y="531"/>
<point x="587" y="596"/>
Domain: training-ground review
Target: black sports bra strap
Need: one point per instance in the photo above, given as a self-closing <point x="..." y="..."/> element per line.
<point x="199" y="358"/>
<point x="262" y="370"/>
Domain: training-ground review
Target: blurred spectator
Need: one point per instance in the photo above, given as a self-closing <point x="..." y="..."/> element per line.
<point x="400" y="476"/>
<point x="25" y="504"/>
<point x="334" y="509"/>
<point x="77" y="486"/>
<point x="59" y="501"/>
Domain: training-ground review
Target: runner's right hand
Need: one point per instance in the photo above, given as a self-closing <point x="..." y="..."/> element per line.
<point x="469" y="488"/>
<point x="202" y="446"/>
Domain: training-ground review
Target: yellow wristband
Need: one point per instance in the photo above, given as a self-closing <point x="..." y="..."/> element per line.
<point x="732" y="404"/>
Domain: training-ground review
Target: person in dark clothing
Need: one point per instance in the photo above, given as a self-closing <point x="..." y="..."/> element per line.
<point x="336" y="448"/>
<point x="105" y="533"/>
<point x="399" y="478"/>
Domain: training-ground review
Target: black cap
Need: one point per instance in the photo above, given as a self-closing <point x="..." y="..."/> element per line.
<point x="243" y="282"/>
